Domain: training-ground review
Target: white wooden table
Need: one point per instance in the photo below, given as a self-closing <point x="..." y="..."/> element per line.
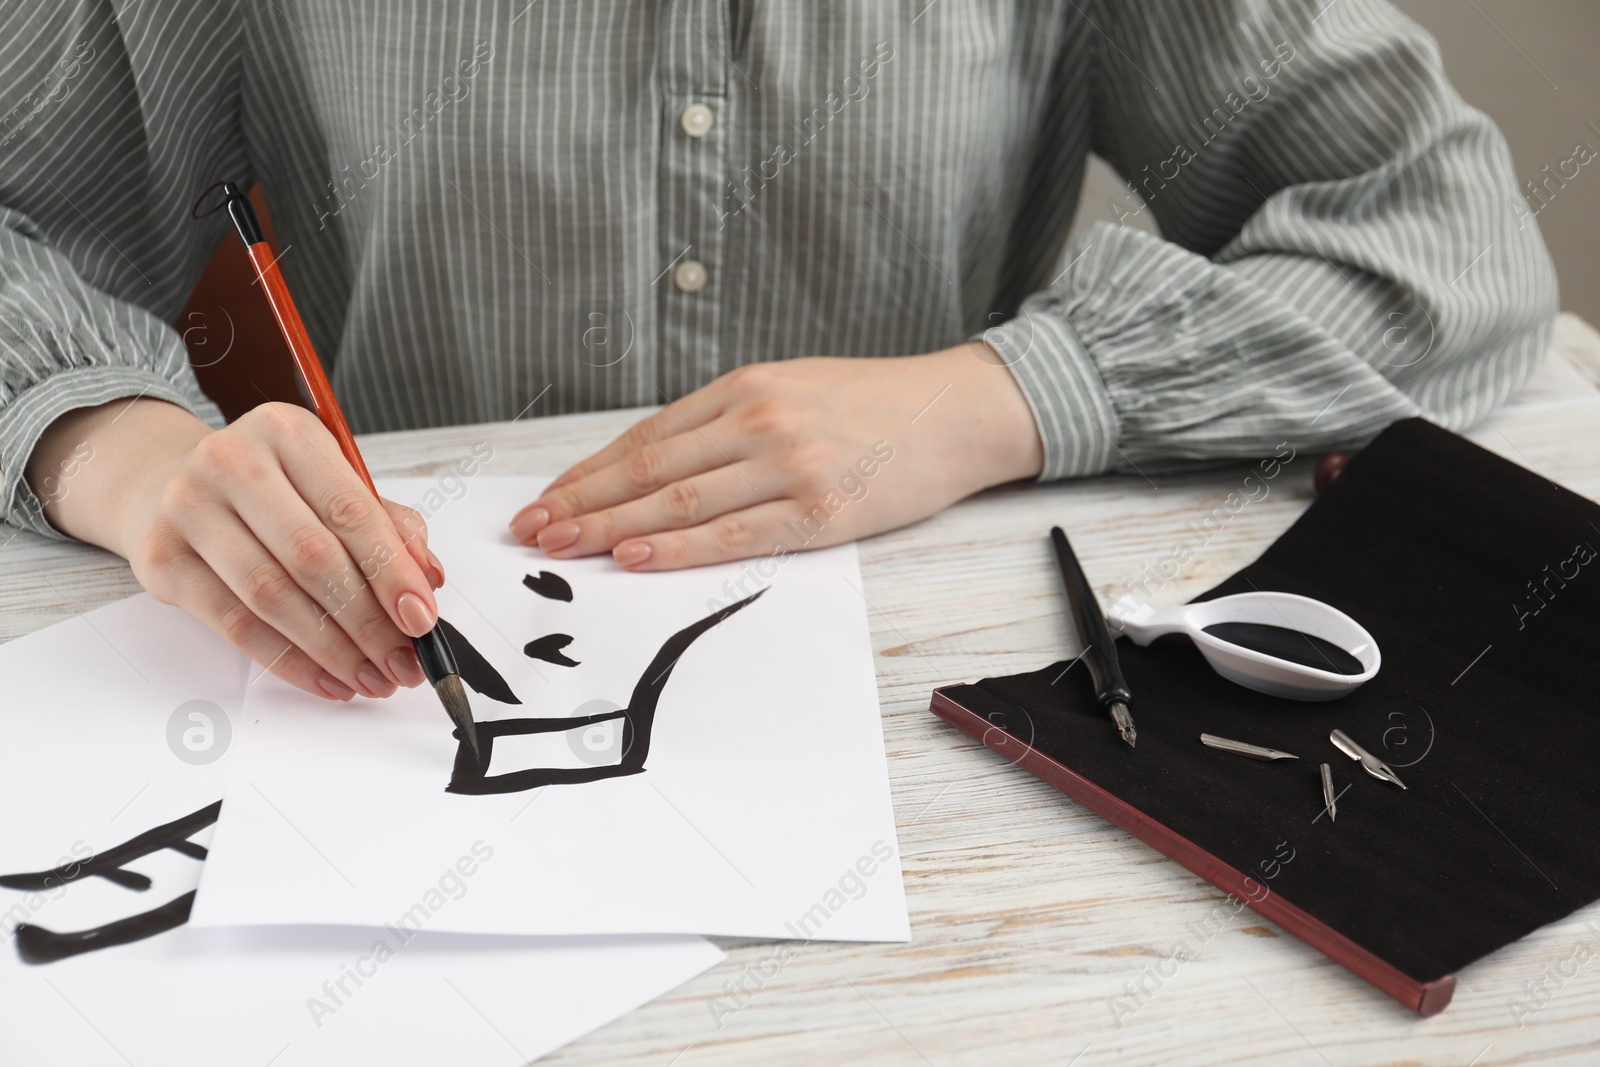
<point x="1029" y="914"/>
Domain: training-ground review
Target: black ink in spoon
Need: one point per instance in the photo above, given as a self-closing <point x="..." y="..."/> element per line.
<point x="1286" y="644"/>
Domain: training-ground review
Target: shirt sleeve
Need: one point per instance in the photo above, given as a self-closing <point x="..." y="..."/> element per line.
<point x="1343" y="243"/>
<point x="97" y="250"/>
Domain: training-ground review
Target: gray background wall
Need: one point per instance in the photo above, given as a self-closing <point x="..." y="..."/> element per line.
<point x="1534" y="67"/>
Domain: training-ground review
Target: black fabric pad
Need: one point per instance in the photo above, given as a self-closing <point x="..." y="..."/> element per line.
<point x="1486" y="710"/>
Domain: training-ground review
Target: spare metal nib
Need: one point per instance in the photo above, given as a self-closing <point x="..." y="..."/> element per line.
<point x="1240" y="748"/>
<point x="1369" y="763"/>
<point x="1328" y="796"/>
<point x="1124" y="721"/>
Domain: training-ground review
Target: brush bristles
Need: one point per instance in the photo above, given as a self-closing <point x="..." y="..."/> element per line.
<point x="453" y="695"/>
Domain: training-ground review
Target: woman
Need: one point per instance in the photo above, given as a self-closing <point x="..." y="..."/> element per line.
<point x="536" y="206"/>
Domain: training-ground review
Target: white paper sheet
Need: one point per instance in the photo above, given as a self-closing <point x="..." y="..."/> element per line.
<point x="762" y="808"/>
<point x="120" y="721"/>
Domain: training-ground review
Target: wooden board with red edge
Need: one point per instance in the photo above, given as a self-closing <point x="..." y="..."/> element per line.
<point x="1424" y="998"/>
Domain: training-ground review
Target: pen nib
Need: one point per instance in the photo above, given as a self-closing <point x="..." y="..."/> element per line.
<point x="1124" y="721"/>
<point x="454" y="698"/>
<point x="1330" y="799"/>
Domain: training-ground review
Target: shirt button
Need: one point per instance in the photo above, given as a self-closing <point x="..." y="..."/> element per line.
<point x="696" y="120"/>
<point x="690" y="277"/>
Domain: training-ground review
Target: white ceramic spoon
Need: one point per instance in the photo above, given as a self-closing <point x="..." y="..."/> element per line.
<point x="1249" y="666"/>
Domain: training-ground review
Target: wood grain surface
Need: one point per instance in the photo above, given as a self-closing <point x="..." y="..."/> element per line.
<point x="1042" y="935"/>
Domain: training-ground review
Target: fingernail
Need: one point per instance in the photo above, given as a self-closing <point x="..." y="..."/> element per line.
<point x="333" y="687"/>
<point x="403" y="664"/>
<point x="415" y="618"/>
<point x="437" y="577"/>
<point x="529" y="522"/>
<point x="559" y="536"/>
<point x="631" y="554"/>
<point x="373" y="681"/>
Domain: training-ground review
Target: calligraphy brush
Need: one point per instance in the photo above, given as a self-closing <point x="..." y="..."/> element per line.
<point x="1099" y="647"/>
<point x="433" y="649"/>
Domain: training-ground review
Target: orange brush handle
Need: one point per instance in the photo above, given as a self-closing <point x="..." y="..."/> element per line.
<point x="305" y="357"/>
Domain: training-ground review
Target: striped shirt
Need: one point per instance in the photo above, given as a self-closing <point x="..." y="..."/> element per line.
<point x="491" y="207"/>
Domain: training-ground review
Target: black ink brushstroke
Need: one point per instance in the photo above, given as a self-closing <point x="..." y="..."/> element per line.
<point x="549" y="585"/>
<point x="548" y="648"/>
<point x="108" y="864"/>
<point x="35" y="944"/>
<point x="473" y="669"/>
<point x="470" y="775"/>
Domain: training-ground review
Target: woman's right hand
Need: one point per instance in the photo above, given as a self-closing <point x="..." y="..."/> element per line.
<point x="261" y="530"/>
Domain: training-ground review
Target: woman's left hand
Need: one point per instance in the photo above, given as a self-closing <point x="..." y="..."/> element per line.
<point x="780" y="457"/>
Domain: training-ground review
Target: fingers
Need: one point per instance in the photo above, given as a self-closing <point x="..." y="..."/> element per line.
<point x="268" y="591"/>
<point x="414" y="532"/>
<point x="265" y="532"/>
<point x="348" y="509"/>
<point x="650" y="469"/>
<point x="193" y="585"/>
<point x="320" y="564"/>
<point x="687" y="415"/>
<point x="756" y="531"/>
<point x="676" y="506"/>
